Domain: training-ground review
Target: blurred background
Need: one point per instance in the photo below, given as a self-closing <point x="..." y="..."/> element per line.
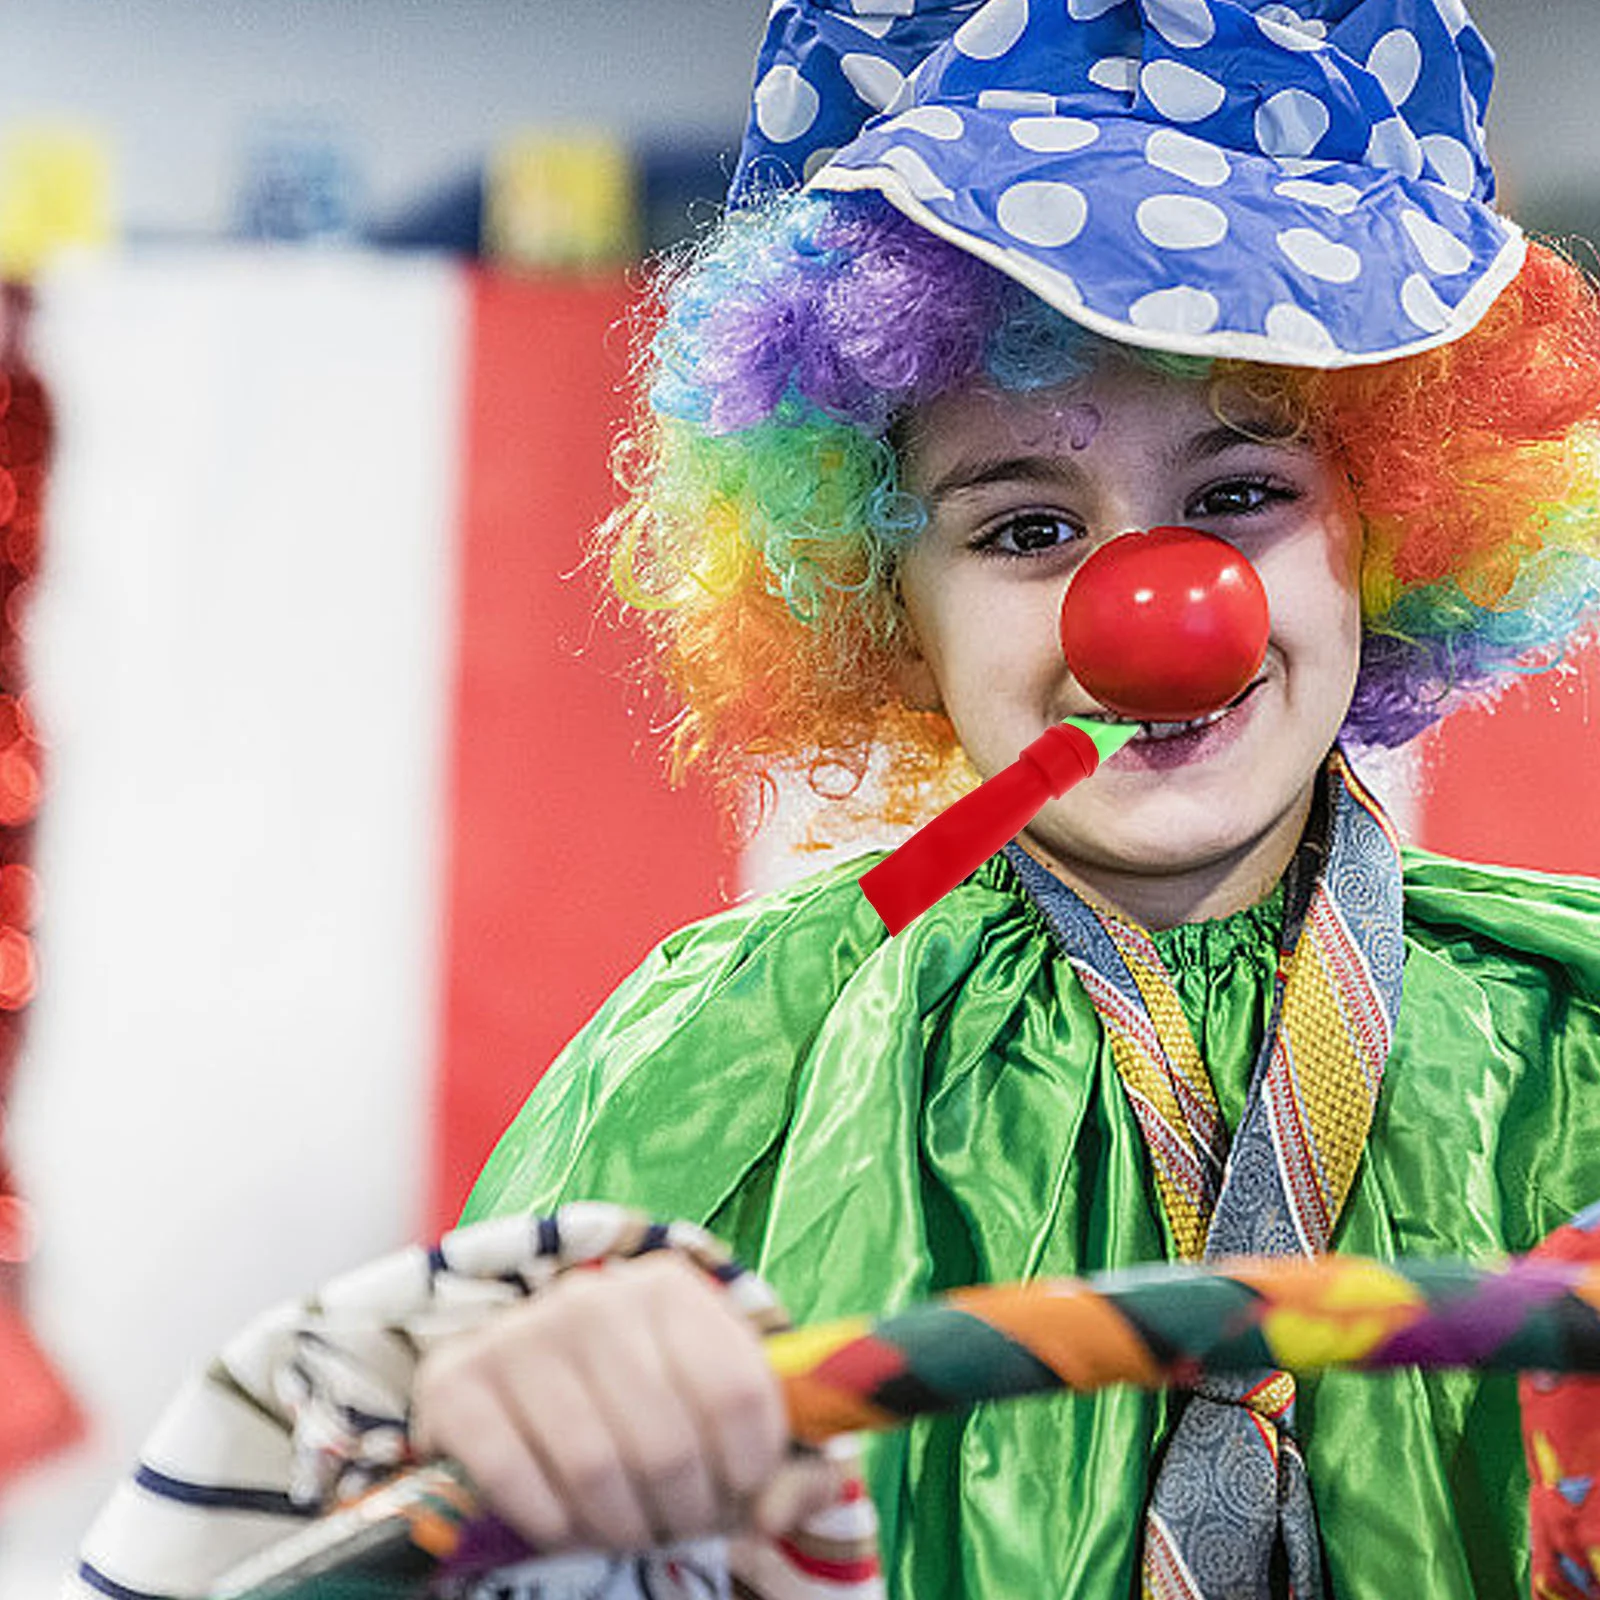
<point x="327" y="812"/>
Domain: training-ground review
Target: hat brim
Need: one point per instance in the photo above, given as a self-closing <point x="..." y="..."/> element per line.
<point x="1154" y="238"/>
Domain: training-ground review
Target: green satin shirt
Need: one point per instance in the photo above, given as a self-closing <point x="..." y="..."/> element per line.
<point x="869" y="1120"/>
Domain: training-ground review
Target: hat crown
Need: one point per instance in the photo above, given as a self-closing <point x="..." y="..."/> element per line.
<point x="1340" y="80"/>
<point x="1404" y="83"/>
<point x="1137" y="162"/>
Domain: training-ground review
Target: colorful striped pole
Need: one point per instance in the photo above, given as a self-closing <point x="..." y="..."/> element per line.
<point x="1171" y="1324"/>
<point x="1149" y="1326"/>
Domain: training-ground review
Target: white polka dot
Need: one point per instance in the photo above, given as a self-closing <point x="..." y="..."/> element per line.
<point x="1300" y="166"/>
<point x="1185" y="156"/>
<point x="1042" y="213"/>
<point x="1340" y="197"/>
<point x="932" y="122"/>
<point x="1440" y="250"/>
<point x="1184" y="24"/>
<point x="785" y="104"/>
<point x="1455" y="15"/>
<point x="817" y="160"/>
<point x="882" y="8"/>
<point x="923" y="182"/>
<point x="1283" y="25"/>
<point x="1035" y="100"/>
<point x="1290" y="122"/>
<point x="1054" y="133"/>
<point x="1088" y="10"/>
<point x="1395" y="146"/>
<point x="873" y="27"/>
<point x="1180" y="221"/>
<point x="1117" y="73"/>
<point x="877" y="81"/>
<point x="1452" y="160"/>
<point x="1422" y="305"/>
<point x="1319" y="256"/>
<point x="992" y="29"/>
<point x="1396" y="62"/>
<point x="1295" y="327"/>
<point x="1177" y="310"/>
<point x="1179" y="92"/>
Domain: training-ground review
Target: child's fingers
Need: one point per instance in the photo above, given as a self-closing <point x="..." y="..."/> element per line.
<point x="659" y="1435"/>
<point x="554" y="1408"/>
<point x="718" y="1366"/>
<point x="640" y="1401"/>
<point x="470" y="1422"/>
<point x="802" y="1486"/>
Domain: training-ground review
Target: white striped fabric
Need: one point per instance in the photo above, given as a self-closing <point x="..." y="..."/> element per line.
<point x="306" y="1411"/>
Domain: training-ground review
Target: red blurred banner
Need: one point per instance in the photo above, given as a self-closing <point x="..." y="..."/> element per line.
<point x="568" y="856"/>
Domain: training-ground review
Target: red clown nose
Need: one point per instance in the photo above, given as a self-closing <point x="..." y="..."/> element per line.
<point x="1165" y="625"/>
<point x="1161" y="626"/>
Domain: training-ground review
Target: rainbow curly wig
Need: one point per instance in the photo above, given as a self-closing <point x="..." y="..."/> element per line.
<point x="765" y="516"/>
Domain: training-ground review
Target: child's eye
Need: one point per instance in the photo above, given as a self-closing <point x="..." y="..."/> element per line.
<point x="1239" y="497"/>
<point x="1030" y="534"/>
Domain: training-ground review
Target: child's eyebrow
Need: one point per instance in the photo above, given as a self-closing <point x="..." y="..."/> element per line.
<point x="1226" y="436"/>
<point x="1054" y="469"/>
<point x="966" y="475"/>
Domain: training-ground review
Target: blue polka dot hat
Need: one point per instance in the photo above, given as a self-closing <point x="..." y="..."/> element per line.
<point x="1303" y="184"/>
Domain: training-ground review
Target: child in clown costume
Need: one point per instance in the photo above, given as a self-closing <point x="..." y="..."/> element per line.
<point x="1057" y="270"/>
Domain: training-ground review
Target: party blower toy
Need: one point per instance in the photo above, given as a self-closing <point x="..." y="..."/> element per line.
<point x="1163" y="626"/>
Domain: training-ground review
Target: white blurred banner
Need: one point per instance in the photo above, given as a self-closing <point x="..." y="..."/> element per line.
<point x="240" y="656"/>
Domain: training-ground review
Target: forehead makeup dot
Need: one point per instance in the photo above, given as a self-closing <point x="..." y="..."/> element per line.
<point x="1079" y="424"/>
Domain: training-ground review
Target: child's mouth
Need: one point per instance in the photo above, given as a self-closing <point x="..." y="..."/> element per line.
<point x="1159" y="732"/>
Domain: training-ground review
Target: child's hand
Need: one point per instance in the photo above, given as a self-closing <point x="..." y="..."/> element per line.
<point x="621" y="1408"/>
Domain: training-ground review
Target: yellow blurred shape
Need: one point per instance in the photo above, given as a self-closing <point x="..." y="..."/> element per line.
<point x="55" y="194"/>
<point x="1366" y="1285"/>
<point x="561" y="200"/>
<point x="1328" y="1283"/>
<point x="1302" y="1341"/>
<point x="801" y="1349"/>
<point x="1330" y="1310"/>
<point x="1548" y="1462"/>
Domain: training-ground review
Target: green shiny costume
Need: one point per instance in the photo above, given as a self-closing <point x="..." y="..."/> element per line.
<point x="869" y="1120"/>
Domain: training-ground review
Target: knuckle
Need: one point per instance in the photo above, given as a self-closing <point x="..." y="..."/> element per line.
<point x="670" y="1463"/>
<point x="669" y="1273"/>
<point x="750" y="1394"/>
<point x="580" y="1302"/>
<point x="589" y="1472"/>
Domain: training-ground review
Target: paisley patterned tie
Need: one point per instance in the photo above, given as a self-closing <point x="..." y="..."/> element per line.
<point x="1230" y="1516"/>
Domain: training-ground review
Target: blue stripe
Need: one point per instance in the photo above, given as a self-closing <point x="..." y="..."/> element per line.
<point x="549" y="1236"/>
<point x="268" y="1502"/>
<point x="365" y="1421"/>
<point x="98" y="1581"/>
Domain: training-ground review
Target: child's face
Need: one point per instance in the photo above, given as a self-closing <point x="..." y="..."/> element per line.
<point x="1019" y="488"/>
